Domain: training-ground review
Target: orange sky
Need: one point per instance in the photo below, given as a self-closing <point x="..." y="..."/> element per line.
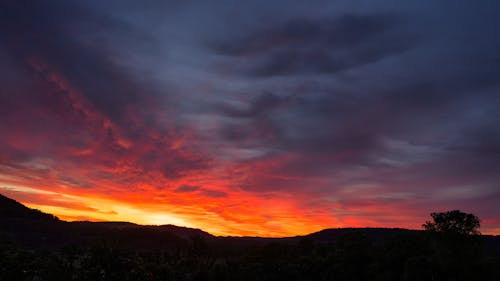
<point x="279" y="120"/>
<point x="159" y="178"/>
<point x="105" y="180"/>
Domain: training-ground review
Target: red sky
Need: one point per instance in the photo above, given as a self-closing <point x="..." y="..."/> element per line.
<point x="262" y="118"/>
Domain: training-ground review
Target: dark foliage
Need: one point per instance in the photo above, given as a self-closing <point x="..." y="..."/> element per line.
<point x="453" y="222"/>
<point x="56" y="250"/>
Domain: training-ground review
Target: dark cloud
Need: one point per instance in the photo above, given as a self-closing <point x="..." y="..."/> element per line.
<point x="202" y="191"/>
<point x="348" y="107"/>
<point x="213" y="193"/>
<point x="57" y="37"/>
<point x="75" y="182"/>
<point x="74" y="94"/>
<point x="187" y="188"/>
<point x="261" y="105"/>
<point x="342" y="32"/>
<point x="338" y="132"/>
<point x="180" y="165"/>
<point x="312" y="46"/>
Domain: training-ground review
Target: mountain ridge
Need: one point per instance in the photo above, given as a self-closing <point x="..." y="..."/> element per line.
<point x="35" y="228"/>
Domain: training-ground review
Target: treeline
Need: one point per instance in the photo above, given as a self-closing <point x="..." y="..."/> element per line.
<point x="41" y="248"/>
<point x="353" y="256"/>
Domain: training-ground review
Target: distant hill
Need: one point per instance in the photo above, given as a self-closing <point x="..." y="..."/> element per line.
<point x="376" y="234"/>
<point x="10" y="209"/>
<point x="34" y="228"/>
<point x="38" y="246"/>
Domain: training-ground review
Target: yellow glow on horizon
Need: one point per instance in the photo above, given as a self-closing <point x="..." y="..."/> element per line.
<point x="117" y="212"/>
<point x="256" y="217"/>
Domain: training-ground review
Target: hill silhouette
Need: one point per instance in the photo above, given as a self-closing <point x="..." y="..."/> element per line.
<point x="23" y="221"/>
<point x="38" y="246"/>
<point x="33" y="228"/>
<point x="10" y="209"/>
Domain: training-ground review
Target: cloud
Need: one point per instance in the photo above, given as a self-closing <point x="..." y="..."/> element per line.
<point x="315" y="46"/>
<point x="261" y="105"/>
<point x="187" y="188"/>
<point x="202" y="191"/>
<point x="213" y="193"/>
<point x="282" y="119"/>
<point x="342" y="32"/>
<point x="56" y="40"/>
<point x="85" y="100"/>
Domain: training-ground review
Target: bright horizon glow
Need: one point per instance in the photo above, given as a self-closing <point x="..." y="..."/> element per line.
<point x="127" y="213"/>
<point x="252" y="117"/>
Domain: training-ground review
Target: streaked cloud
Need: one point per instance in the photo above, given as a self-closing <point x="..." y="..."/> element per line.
<point x="257" y="118"/>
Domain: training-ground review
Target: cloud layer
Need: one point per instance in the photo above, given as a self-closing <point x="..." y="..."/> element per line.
<point x="251" y="118"/>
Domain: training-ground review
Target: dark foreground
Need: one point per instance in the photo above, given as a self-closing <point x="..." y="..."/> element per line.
<point x="37" y="246"/>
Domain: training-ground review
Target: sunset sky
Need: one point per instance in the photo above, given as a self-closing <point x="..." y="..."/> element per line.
<point x="267" y="118"/>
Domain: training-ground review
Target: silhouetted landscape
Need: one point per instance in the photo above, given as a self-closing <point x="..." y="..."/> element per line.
<point x="249" y="140"/>
<point x="38" y="246"/>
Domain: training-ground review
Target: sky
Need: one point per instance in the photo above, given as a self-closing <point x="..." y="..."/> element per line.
<point x="268" y="118"/>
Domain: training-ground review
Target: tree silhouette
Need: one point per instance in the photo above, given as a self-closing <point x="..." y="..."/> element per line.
<point x="453" y="222"/>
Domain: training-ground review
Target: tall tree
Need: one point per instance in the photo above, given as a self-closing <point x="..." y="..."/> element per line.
<point x="453" y="222"/>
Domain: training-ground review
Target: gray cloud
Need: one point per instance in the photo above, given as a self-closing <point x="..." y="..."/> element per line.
<point x="307" y="46"/>
<point x="342" y="32"/>
<point x="387" y="102"/>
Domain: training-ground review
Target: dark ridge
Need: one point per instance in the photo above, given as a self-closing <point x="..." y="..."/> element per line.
<point x="46" y="249"/>
<point x="376" y="234"/>
<point x="10" y="208"/>
<point x="34" y="228"/>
